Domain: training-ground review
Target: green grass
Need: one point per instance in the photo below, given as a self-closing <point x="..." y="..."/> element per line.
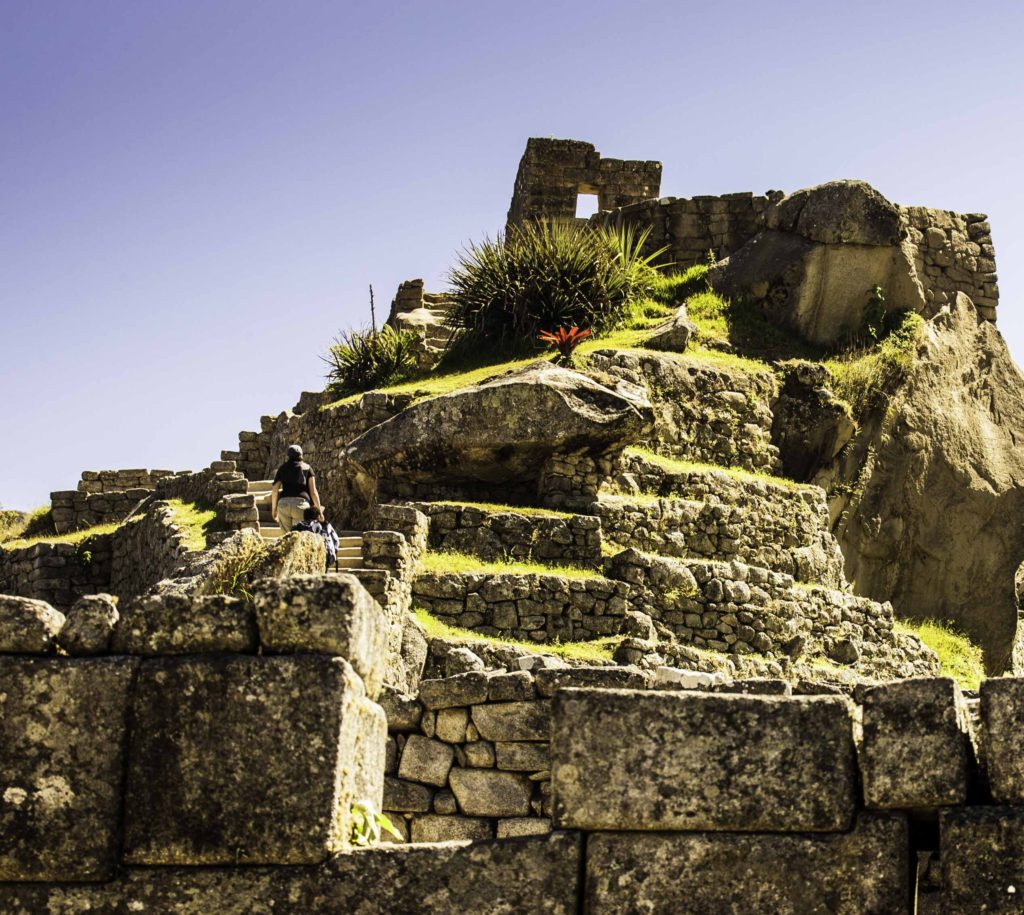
<point x="597" y="650"/>
<point x="444" y="380"/>
<point x="15" y="525"/>
<point x="675" y="465"/>
<point x="744" y="328"/>
<point x="675" y="288"/>
<point x="959" y="657"/>
<point x="73" y="537"/>
<point x="496" y="507"/>
<point x="461" y="563"/>
<point x="862" y="376"/>
<point x="195" y="522"/>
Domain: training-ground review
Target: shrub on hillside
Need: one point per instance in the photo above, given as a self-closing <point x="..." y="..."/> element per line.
<point x="864" y="375"/>
<point x="547" y="275"/>
<point x="367" y="359"/>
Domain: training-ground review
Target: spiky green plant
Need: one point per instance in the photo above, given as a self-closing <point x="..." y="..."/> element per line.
<point x="360" y="360"/>
<point x="544" y="275"/>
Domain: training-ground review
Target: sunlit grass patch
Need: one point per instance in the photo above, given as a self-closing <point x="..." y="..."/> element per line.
<point x="441" y="562"/>
<point x="959" y="657"/>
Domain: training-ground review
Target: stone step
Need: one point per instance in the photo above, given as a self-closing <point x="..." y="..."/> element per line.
<point x="261" y="485"/>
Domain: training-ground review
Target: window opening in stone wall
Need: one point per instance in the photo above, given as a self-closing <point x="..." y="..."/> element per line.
<point x="586" y="205"/>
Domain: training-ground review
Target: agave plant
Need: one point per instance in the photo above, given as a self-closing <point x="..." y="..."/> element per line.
<point x="547" y="274"/>
<point x="366" y="359"/>
<point x="565" y="340"/>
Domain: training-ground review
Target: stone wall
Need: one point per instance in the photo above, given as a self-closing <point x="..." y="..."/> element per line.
<point x="94" y="481"/>
<point x="789" y="537"/>
<point x="553" y="173"/>
<point x="509" y="534"/>
<point x="58" y="573"/>
<point x="739" y="609"/>
<point x="692" y="229"/>
<point x="702" y="412"/>
<point x="953" y="252"/>
<point x="74" y="510"/>
<point x="530" y="607"/>
<point x="268" y="709"/>
<point x="145" y="549"/>
<point x="254" y="734"/>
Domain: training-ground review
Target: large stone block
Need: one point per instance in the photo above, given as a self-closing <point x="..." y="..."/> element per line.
<point x="28" y="626"/>
<point x="536" y="875"/>
<point x="624" y="759"/>
<point x="62" y="735"/>
<point x="425" y="760"/>
<point x="330" y="614"/>
<point x="505" y="721"/>
<point x="249" y="760"/>
<point x="982" y="851"/>
<point x="916" y="750"/>
<point x="487" y="793"/>
<point x="1002" y="737"/>
<point x="167" y="624"/>
<point x="862" y="871"/>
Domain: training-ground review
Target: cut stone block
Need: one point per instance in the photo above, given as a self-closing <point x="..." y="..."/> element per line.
<point x="433" y="828"/>
<point x="425" y="760"/>
<point x="488" y="793"/>
<point x="865" y="870"/>
<point x="982" y="850"/>
<point x="536" y="875"/>
<point x="523" y="757"/>
<point x="548" y="681"/>
<point x="451" y="725"/>
<point x="168" y="624"/>
<point x="28" y="626"/>
<point x="62" y="735"/>
<point x="89" y="626"/>
<point x="523" y="826"/>
<point x="1002" y="737"/>
<point x="916" y="749"/>
<point x="508" y="687"/>
<point x="249" y="759"/>
<point x="407" y="797"/>
<point x="403" y="711"/>
<point x="513" y="720"/>
<point x="329" y="614"/>
<point x="626" y="759"/>
<point x="469" y="688"/>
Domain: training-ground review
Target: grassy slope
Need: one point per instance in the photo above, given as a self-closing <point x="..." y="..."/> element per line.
<point x="442" y="562"/>
<point x="597" y="650"/>
<point x="73" y="537"/>
<point x="959" y="657"/>
<point x="674" y="465"/>
<point x="195" y="521"/>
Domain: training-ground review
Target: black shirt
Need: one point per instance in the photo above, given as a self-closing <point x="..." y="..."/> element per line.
<point x="294" y="477"/>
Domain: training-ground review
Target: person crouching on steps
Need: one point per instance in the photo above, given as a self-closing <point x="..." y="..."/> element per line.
<point x="294" y="488"/>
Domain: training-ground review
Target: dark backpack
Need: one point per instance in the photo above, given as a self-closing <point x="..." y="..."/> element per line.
<point x="331" y="541"/>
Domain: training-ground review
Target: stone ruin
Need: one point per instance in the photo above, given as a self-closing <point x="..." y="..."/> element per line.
<point x="194" y="731"/>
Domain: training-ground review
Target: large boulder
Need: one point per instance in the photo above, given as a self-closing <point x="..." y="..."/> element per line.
<point x="815" y="265"/>
<point x="503" y="430"/>
<point x="933" y="520"/>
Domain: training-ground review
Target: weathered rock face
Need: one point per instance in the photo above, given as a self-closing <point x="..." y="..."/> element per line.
<point x="62" y="745"/>
<point x="864" y="870"/>
<point x="502" y="431"/>
<point x="810" y="424"/>
<point x="936" y="527"/>
<point x="820" y="255"/>
<point x="193" y="794"/>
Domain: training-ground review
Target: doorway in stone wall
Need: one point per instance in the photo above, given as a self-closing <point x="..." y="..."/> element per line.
<point x="586" y="205"/>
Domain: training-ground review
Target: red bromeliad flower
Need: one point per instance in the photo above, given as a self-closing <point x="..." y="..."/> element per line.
<point x="565" y="339"/>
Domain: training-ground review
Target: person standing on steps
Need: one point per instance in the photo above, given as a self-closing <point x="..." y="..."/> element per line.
<point x="293" y="491"/>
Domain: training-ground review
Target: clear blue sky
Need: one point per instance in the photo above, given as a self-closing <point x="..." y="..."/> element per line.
<point x="196" y="195"/>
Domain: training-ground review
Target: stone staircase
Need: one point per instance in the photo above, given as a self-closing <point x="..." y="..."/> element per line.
<point x="350" y="548"/>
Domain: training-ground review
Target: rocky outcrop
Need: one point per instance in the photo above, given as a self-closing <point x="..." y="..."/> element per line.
<point x="933" y="520"/>
<point x="503" y="431"/>
<point x="810" y="425"/>
<point x="821" y="253"/>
